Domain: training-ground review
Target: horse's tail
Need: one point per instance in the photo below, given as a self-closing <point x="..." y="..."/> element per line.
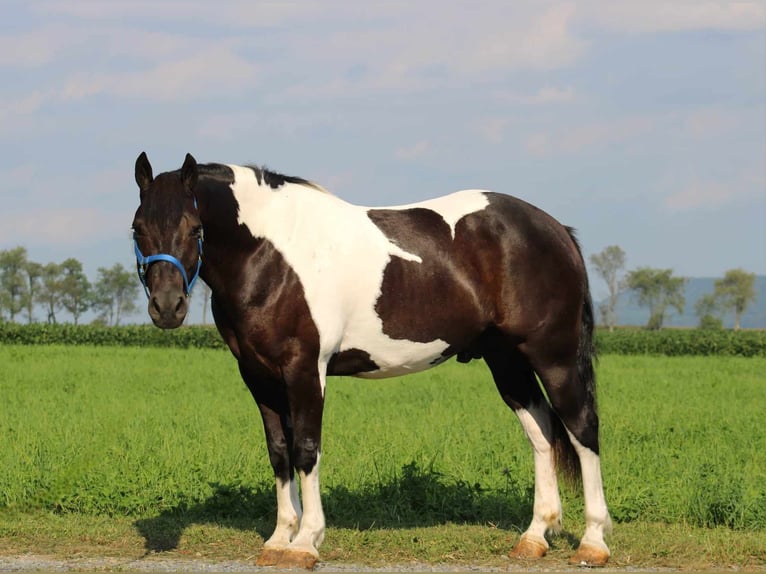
<point x="566" y="457"/>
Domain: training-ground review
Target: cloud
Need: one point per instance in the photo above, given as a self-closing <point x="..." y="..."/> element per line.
<point x="336" y="183"/>
<point x="709" y="194"/>
<point x="12" y="108"/>
<point x="574" y="139"/>
<point x="651" y="16"/>
<point x="708" y="122"/>
<point x="236" y="13"/>
<point x="414" y="151"/>
<point x="63" y="227"/>
<point x="538" y="144"/>
<point x="544" y="95"/>
<point x="492" y="129"/>
<point x="18" y="176"/>
<point x="36" y="47"/>
<point x="700" y="194"/>
<point x="700" y="124"/>
<point x="207" y="72"/>
<point x="382" y="54"/>
<point x="548" y="95"/>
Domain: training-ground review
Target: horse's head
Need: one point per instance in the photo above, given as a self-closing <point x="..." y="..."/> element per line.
<point x="167" y="234"/>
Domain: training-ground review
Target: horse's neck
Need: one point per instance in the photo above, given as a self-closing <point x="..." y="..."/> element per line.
<point x="258" y="214"/>
<point x="288" y="211"/>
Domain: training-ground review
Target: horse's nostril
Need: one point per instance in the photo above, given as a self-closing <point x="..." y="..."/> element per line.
<point x="156" y="305"/>
<point x="180" y="305"/>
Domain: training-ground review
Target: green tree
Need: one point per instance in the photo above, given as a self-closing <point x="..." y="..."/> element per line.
<point x="75" y="289"/>
<point x="658" y="290"/>
<point x="735" y="292"/>
<point x="51" y="289"/>
<point x="33" y="272"/>
<point x="115" y="293"/>
<point x="609" y="263"/>
<point x="13" y="291"/>
<point x="707" y="309"/>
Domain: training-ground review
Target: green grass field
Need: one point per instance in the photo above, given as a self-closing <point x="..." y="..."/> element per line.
<point x="109" y="450"/>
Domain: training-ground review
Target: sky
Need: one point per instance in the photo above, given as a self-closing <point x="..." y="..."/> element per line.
<point x="641" y="124"/>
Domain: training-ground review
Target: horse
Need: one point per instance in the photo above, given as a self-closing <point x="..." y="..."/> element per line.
<point x="306" y="285"/>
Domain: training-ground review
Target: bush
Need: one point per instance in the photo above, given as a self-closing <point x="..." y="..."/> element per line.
<point x="676" y="342"/>
<point x="99" y="335"/>
<point x="626" y="341"/>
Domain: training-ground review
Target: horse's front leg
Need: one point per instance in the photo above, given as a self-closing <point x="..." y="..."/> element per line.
<point x="306" y="397"/>
<point x="279" y="444"/>
<point x="271" y="398"/>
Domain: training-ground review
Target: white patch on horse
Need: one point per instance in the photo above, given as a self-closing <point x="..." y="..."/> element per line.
<point x="311" y="533"/>
<point x="597" y="520"/>
<point x="547" y="504"/>
<point x="452" y="207"/>
<point x="288" y="515"/>
<point x="340" y="255"/>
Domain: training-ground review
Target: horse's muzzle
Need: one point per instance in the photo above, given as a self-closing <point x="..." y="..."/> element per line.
<point x="168" y="308"/>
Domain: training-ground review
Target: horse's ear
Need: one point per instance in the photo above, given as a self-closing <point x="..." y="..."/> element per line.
<point x="144" y="175"/>
<point x="189" y="172"/>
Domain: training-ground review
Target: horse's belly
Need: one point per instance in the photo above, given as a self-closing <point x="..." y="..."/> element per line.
<point x="391" y="359"/>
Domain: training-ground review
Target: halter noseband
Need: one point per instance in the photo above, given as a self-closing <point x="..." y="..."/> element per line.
<point x="143" y="262"/>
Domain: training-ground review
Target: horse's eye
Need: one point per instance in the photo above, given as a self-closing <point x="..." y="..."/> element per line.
<point x="196" y="231"/>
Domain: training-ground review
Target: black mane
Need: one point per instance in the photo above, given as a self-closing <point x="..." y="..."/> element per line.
<point x="274" y="179"/>
<point x="263" y="175"/>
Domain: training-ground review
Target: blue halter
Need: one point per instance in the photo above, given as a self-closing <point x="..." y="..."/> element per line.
<point x="143" y="262"/>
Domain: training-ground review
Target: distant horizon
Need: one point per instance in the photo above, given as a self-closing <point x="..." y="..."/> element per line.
<point x="625" y="306"/>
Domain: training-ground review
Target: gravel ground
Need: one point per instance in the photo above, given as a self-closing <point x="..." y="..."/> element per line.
<point x="33" y="563"/>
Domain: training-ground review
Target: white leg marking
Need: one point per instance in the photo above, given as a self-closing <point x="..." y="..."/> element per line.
<point x="597" y="519"/>
<point x="311" y="533"/>
<point x="547" y="505"/>
<point x="288" y="515"/>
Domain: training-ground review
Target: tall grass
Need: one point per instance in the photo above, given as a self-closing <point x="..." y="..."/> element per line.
<point x="166" y="432"/>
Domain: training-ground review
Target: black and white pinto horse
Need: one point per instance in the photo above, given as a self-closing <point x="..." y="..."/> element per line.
<point x="305" y="285"/>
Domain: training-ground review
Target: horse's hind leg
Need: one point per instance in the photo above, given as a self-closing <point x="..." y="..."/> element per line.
<point x="519" y="388"/>
<point x="570" y="387"/>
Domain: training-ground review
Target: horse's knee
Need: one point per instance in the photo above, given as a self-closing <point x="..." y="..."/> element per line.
<point x="279" y="457"/>
<point x="306" y="454"/>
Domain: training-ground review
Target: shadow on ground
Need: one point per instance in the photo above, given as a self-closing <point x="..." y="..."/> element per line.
<point x="414" y="498"/>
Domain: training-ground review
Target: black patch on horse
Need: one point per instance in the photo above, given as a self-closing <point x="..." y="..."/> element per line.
<point x="351" y="362"/>
<point x="432" y="299"/>
<point x="276" y="180"/>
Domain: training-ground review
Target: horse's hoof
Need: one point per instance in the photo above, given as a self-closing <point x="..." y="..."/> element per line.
<point x="269" y="557"/>
<point x="590" y="555"/>
<point x="293" y="559"/>
<point x="529" y="548"/>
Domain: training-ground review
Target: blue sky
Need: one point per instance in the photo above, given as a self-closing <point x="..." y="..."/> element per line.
<point x="642" y="124"/>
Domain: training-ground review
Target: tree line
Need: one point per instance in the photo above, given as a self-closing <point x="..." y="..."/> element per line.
<point x="659" y="290"/>
<point x="26" y="286"/>
<point x="55" y="287"/>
